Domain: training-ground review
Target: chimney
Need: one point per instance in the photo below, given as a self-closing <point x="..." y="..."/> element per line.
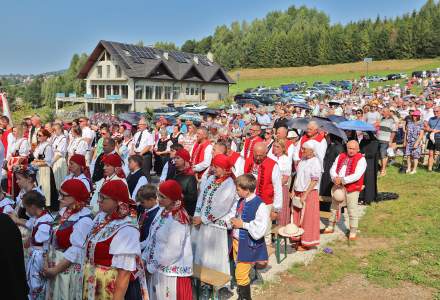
<point x="196" y="60"/>
<point x="210" y="56"/>
<point x="165" y="55"/>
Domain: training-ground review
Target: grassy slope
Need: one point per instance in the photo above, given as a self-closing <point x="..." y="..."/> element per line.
<point x="410" y="224"/>
<point x="274" y="77"/>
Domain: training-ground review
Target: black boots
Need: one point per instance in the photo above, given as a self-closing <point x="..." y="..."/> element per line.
<point x="244" y="292"/>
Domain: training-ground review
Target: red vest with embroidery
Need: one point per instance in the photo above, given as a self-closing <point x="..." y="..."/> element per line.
<point x="102" y="254"/>
<point x="233" y="157"/>
<point x="198" y="155"/>
<point x="249" y="146"/>
<point x="351" y="163"/>
<point x="264" y="181"/>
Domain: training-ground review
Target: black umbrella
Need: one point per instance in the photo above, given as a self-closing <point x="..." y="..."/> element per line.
<point x="336" y="119"/>
<point x="323" y="123"/>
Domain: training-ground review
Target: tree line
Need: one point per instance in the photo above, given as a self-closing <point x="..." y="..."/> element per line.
<point x="302" y="36"/>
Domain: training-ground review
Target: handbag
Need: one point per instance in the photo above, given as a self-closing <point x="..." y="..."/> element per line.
<point x="296" y="201"/>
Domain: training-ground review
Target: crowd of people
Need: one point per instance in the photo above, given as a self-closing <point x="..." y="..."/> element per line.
<point x="114" y="211"/>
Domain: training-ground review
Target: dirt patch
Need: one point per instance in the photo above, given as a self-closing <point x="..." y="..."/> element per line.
<point x="363" y="246"/>
<point x="353" y="286"/>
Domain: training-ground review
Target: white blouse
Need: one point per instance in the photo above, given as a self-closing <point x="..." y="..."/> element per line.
<point x="59" y="145"/>
<point x="43" y="233"/>
<point x="77" y="146"/>
<point x="20" y="145"/>
<point x="46" y="149"/>
<point x="307" y="170"/>
<point x="168" y="248"/>
<point x="81" y="229"/>
<point x="81" y="177"/>
<point x="284" y="162"/>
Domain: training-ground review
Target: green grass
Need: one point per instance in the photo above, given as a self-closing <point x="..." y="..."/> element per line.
<point x="409" y="233"/>
<point x="275" y="81"/>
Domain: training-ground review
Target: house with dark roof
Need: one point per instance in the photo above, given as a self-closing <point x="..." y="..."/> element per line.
<point x="123" y="77"/>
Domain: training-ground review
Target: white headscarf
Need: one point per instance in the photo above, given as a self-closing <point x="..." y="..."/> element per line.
<point x="311" y="144"/>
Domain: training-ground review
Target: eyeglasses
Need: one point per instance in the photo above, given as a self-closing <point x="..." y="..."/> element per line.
<point x="101" y="198"/>
<point x="40" y="135"/>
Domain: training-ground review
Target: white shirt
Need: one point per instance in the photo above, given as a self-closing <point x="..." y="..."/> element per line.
<point x="81" y="177"/>
<point x="163" y="175"/>
<point x="88" y="133"/>
<point x="43" y="233"/>
<point x="427" y="114"/>
<point x="357" y="174"/>
<point x="284" y="162"/>
<point x="143" y="139"/>
<point x="77" y="146"/>
<point x="238" y="167"/>
<point x="21" y="145"/>
<point x="7" y="205"/>
<point x="307" y="170"/>
<point x="206" y="160"/>
<point x="257" y="228"/>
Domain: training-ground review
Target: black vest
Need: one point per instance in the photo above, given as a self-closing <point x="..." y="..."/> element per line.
<point x="162" y="145"/>
<point x="132" y="180"/>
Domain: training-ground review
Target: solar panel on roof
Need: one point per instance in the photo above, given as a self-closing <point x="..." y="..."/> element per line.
<point x="146" y="53"/>
<point x="203" y="60"/>
<point x="178" y="56"/>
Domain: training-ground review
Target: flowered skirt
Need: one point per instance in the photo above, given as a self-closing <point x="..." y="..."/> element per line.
<point x="34" y="269"/>
<point x="66" y="285"/>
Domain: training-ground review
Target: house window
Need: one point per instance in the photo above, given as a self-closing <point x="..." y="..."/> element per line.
<point x="203" y="94"/>
<point x="124" y="91"/>
<point x="94" y="91"/>
<point x="99" y="70"/>
<point x="108" y="89"/>
<point x="176" y="92"/>
<point x="158" y="92"/>
<point x="187" y="91"/>
<point x="108" y="71"/>
<point x="192" y="91"/>
<point x="116" y="90"/>
<point x="138" y="92"/>
<point x="149" y="92"/>
<point x="197" y="91"/>
<point x="167" y="92"/>
<point x="101" y="91"/>
<point x="107" y="56"/>
<point x="118" y="72"/>
<point x="102" y="58"/>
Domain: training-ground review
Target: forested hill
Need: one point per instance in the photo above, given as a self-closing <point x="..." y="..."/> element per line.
<point x="303" y="36"/>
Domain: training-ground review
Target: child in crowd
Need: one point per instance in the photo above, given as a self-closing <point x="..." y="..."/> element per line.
<point x="40" y="225"/>
<point x="250" y="225"/>
<point x="148" y="210"/>
<point x="6" y="204"/>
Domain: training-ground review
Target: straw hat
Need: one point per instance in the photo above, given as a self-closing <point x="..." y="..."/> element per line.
<point x="290" y="230"/>
<point x="339" y="194"/>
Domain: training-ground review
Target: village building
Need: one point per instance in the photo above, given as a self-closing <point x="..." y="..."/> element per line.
<point x="122" y="77"/>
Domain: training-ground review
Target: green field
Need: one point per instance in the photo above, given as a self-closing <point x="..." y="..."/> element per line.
<point x="250" y="78"/>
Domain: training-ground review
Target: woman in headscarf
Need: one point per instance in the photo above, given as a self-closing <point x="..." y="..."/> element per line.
<point x="168" y="256"/>
<point x="308" y="175"/>
<point x="59" y="146"/>
<point x="79" y="170"/>
<point x="214" y="209"/>
<point x="112" y="261"/>
<point x="279" y="154"/>
<point x="112" y="171"/>
<point x="43" y="159"/>
<point x="65" y="257"/>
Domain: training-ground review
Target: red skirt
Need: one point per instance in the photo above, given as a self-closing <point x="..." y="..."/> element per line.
<point x="310" y="220"/>
<point x="184" y="288"/>
<point x="284" y="217"/>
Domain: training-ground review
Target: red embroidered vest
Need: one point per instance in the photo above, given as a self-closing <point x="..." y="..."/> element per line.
<point x="233" y="157"/>
<point x="264" y="181"/>
<point x="249" y="146"/>
<point x="351" y="163"/>
<point x="198" y="155"/>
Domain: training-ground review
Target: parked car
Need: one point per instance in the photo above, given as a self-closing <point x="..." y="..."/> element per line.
<point x="376" y="78"/>
<point x="418" y="74"/>
<point x="165" y="111"/>
<point x="393" y="76"/>
<point x="248" y="102"/>
<point x="290" y="87"/>
<point x="316" y="83"/>
<point x="194" y="107"/>
<point x="303" y="84"/>
<point x="191" y="116"/>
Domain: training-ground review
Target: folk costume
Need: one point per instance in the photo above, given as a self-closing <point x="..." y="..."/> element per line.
<point x="59" y="147"/>
<point x="351" y="169"/>
<point x="80" y="160"/>
<point x="320" y="148"/>
<point x="307" y="217"/>
<point x="248" y="148"/>
<point x="248" y="243"/>
<point x="68" y="238"/>
<point x="113" y="244"/>
<point x="201" y="157"/>
<point x="19" y="155"/>
<point x="168" y="256"/>
<point x="40" y="228"/>
<point x="215" y="206"/>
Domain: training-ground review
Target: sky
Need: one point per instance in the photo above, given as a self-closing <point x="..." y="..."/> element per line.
<point x="38" y="36"/>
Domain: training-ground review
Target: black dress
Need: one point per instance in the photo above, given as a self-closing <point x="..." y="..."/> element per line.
<point x="326" y="184"/>
<point x="370" y="148"/>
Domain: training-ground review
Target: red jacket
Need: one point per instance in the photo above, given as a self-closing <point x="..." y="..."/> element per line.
<point x="264" y="181"/>
<point x="351" y="163"/>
